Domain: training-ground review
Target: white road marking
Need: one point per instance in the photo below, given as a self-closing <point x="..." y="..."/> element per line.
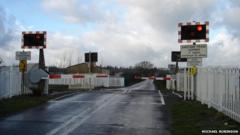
<point x="70" y="125"/>
<point x="161" y="97"/>
<point x="126" y="91"/>
<point x="180" y="96"/>
<point x="54" y="131"/>
<point x="64" y="96"/>
<point x="87" y="114"/>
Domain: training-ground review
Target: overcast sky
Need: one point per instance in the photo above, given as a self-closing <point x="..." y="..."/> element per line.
<point x="123" y="32"/>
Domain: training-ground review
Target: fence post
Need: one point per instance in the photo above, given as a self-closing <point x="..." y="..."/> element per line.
<point x="208" y="89"/>
<point x="184" y="83"/>
<point x="192" y="86"/>
<point x="189" y="84"/>
<point x="10" y="81"/>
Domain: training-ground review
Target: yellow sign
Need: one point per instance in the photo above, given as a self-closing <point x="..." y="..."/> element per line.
<point x="23" y="65"/>
<point x="193" y="70"/>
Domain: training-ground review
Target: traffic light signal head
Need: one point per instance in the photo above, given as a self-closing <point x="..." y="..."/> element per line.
<point x="176" y="56"/>
<point x="193" y="31"/>
<point x="34" y="40"/>
<point x="92" y="56"/>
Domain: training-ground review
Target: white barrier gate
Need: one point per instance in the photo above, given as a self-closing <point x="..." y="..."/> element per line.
<point x="85" y="81"/>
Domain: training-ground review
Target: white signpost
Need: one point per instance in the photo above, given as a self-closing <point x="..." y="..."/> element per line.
<point x="194" y="62"/>
<point x="22" y="55"/>
<point x="194" y="51"/>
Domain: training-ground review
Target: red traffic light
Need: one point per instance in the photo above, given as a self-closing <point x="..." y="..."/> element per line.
<point x="199" y="27"/>
<point x="193" y="32"/>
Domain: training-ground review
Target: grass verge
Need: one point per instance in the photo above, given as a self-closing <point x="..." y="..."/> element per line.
<point x="191" y="117"/>
<point x="20" y="103"/>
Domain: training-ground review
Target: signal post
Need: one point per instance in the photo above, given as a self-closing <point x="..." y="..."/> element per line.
<point x="193" y="38"/>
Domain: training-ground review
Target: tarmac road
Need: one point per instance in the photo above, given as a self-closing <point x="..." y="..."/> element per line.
<point x="135" y="110"/>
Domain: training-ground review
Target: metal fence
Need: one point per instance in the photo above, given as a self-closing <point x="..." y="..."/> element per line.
<point x="10" y="82"/>
<point x="217" y="87"/>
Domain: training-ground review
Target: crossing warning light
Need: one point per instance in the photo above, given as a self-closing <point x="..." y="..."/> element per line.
<point x="193" y="32"/>
<point x="199" y="28"/>
<point x="34" y="39"/>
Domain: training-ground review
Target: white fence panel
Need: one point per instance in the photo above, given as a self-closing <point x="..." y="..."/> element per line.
<point x="10" y="82"/>
<point x="180" y="81"/>
<point x="217" y="87"/>
<point x="116" y="82"/>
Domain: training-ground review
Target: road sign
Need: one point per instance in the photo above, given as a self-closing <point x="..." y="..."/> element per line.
<point x="22" y="55"/>
<point x="93" y="56"/>
<point x="35" y="39"/>
<point x="194" y="51"/>
<point x="194" y="62"/>
<point x="193" y="70"/>
<point x="23" y="65"/>
<point x="176" y="56"/>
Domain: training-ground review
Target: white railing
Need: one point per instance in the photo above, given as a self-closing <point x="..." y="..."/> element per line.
<point x="10" y="82"/>
<point x="180" y="82"/>
<point x="88" y="81"/>
<point x="217" y="87"/>
<point x="170" y="84"/>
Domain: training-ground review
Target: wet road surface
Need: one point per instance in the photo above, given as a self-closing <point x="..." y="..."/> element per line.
<point x="134" y="110"/>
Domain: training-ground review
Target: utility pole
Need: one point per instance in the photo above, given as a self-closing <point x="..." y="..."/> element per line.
<point x="177" y="68"/>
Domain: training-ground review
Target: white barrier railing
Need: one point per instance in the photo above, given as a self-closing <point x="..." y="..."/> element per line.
<point x="10" y="82"/>
<point x="217" y="87"/>
<point x="88" y="81"/>
<point x="170" y="84"/>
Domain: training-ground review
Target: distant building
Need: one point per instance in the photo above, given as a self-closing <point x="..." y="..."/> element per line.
<point x="78" y="68"/>
<point x="84" y="68"/>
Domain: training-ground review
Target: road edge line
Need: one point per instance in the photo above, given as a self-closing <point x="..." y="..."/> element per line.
<point x="161" y="97"/>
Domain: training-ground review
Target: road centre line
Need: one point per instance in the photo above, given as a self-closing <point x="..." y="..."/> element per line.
<point x="67" y="95"/>
<point x="87" y="114"/>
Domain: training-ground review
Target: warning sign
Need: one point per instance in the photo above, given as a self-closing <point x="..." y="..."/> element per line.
<point x="193" y="70"/>
<point x="194" y="51"/>
<point x="23" y="65"/>
<point x="194" y="62"/>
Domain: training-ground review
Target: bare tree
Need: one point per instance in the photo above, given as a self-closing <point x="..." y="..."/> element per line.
<point x="1" y="60"/>
<point x="65" y="59"/>
<point x="144" y="65"/>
